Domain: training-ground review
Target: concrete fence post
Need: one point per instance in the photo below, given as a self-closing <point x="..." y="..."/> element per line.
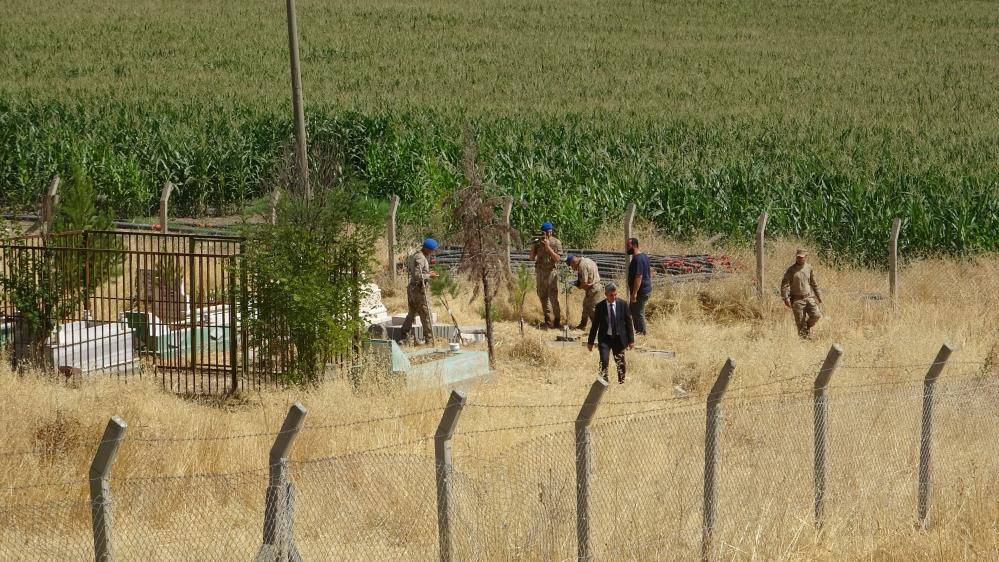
<point x="100" y="488"/>
<point x="443" y="469"/>
<point x="926" y="436"/>
<point x="272" y="207"/>
<point x="507" y="210"/>
<point x="279" y="508"/>
<point x="393" y="207"/>
<point x="896" y="227"/>
<point x="50" y="201"/>
<point x="712" y="432"/>
<point x="761" y="229"/>
<point x="821" y="406"/>
<point x="629" y="221"/>
<point x="584" y="465"/>
<point x="164" y="206"/>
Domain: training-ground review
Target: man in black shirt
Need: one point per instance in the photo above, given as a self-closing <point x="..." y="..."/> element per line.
<point x="639" y="284"/>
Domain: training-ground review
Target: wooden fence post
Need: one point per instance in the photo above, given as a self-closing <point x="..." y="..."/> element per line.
<point x="507" y="210"/>
<point x="393" y="207"/>
<point x="711" y="434"/>
<point x="100" y="488"/>
<point x="584" y="465"/>
<point x="761" y="229"/>
<point x="164" y="206"/>
<point x="896" y="227"/>
<point x="629" y="220"/>
<point x="821" y="414"/>
<point x="925" y="440"/>
<point x="301" y="148"/>
<point x="443" y="466"/>
<point x="279" y="540"/>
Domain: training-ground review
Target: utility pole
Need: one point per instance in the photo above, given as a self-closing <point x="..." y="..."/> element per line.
<point x="301" y="149"/>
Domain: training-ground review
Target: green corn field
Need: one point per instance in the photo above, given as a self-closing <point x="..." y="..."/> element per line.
<point x="833" y="118"/>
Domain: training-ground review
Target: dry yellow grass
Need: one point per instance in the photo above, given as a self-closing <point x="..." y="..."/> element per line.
<point x="515" y="488"/>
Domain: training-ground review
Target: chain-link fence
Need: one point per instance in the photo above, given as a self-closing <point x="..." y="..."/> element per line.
<point x="834" y="469"/>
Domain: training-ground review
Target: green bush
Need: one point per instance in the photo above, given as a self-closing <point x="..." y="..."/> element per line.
<point x="305" y="274"/>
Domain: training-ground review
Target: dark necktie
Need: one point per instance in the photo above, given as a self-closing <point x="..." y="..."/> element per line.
<point x="612" y="320"/>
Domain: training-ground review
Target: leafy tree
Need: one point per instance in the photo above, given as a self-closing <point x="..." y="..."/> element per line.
<point x="48" y="279"/>
<point x="445" y="288"/>
<point x="306" y="271"/>
<point x="520" y="287"/>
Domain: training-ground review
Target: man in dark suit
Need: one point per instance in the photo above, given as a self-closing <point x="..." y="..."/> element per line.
<point x="613" y="330"/>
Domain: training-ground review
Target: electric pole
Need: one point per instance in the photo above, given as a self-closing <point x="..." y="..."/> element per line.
<point x="301" y="148"/>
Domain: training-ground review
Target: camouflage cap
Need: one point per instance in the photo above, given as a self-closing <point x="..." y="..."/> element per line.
<point x="800" y="253"/>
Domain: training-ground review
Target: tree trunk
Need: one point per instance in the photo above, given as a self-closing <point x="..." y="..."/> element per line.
<point x="488" y="300"/>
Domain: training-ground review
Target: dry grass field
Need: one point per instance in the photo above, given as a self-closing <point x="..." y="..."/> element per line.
<point x="189" y="481"/>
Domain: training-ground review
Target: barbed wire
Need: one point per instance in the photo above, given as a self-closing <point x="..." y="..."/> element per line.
<point x="305" y="427"/>
<point x="350" y="454"/>
<point x="912" y="366"/>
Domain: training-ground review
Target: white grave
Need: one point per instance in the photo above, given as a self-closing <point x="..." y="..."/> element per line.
<point x="372" y="310"/>
<point x="92" y="346"/>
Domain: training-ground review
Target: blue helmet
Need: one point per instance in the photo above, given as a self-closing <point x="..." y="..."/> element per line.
<point x="569" y="258"/>
<point x="545" y="227"/>
<point x="430" y="244"/>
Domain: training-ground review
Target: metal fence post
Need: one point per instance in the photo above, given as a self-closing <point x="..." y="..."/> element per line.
<point x="100" y="489"/>
<point x="761" y="229"/>
<point x="244" y="314"/>
<point x="164" y="206"/>
<point x="926" y="435"/>
<point x="87" y="256"/>
<point x="711" y="435"/>
<point x="584" y="465"/>
<point x="821" y="413"/>
<point x="192" y="295"/>
<point x="279" y="541"/>
<point x="442" y="463"/>
<point x="896" y="227"/>
<point x="393" y="207"/>
<point x="233" y="318"/>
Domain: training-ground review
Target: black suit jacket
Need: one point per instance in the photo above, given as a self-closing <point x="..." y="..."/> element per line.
<point x="625" y="328"/>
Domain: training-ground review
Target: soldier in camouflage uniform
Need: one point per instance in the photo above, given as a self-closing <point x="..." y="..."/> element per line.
<point x="587" y="279"/>
<point x="546" y="251"/>
<point x="420" y="274"/>
<point x="800" y="292"/>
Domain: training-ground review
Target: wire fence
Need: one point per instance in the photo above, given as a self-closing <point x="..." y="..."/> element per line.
<point x="631" y="483"/>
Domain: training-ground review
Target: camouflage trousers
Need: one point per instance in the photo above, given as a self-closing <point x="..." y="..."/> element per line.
<point x="589" y="305"/>
<point x="547" y="286"/>
<point x="806" y="314"/>
<point x="419" y="305"/>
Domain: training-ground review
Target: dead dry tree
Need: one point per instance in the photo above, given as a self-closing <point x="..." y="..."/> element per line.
<point x="481" y="235"/>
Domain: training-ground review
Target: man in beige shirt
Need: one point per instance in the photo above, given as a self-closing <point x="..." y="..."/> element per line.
<point x="546" y="252"/>
<point x="418" y="265"/>
<point x="801" y="294"/>
<point x="587" y="279"/>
